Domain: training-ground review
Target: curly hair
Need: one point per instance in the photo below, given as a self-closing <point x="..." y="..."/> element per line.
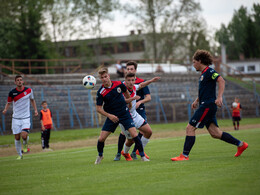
<point x="203" y="56"/>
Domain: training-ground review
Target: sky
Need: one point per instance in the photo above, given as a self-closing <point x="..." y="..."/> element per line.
<point x="215" y="12"/>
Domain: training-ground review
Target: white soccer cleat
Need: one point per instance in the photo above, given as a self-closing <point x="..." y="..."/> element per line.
<point x="144" y="159"/>
<point x="98" y="160"/>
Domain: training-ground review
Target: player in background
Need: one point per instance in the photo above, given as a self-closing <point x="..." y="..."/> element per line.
<point x="236" y="107"/>
<point x="144" y="93"/>
<point x="21" y="97"/>
<point x="139" y="121"/>
<point x="47" y="125"/>
<point x="206" y="113"/>
<point x="111" y="103"/>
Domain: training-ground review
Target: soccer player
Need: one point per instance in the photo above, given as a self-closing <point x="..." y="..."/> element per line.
<point x="206" y="113"/>
<point x="115" y="109"/>
<point x="144" y="93"/>
<point x="47" y="125"/>
<point x="21" y="97"/>
<point x="139" y="121"/>
<point x="236" y="107"/>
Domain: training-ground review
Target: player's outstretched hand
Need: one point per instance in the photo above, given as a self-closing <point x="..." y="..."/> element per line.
<point x="219" y="101"/>
<point x="156" y="79"/>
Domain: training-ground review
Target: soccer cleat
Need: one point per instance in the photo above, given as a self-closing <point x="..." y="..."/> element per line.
<point x="127" y="156"/>
<point x="180" y="158"/>
<point x="19" y="157"/>
<point x="241" y="149"/>
<point x="144" y="159"/>
<point x="118" y="157"/>
<point x="98" y="160"/>
<point x="133" y="155"/>
<point x="25" y="148"/>
<point x="137" y="152"/>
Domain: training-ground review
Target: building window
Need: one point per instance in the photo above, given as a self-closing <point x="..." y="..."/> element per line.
<point x="241" y="68"/>
<point x="138" y="46"/>
<point x="123" y="47"/>
<point x="251" y="68"/>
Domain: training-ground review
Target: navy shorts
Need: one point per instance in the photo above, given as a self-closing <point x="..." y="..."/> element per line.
<point x="142" y="112"/>
<point x="204" y="115"/>
<point x="125" y="119"/>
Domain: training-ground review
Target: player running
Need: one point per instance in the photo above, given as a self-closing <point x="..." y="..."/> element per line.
<point x="111" y="95"/>
<point x="206" y="113"/>
<point x="21" y="97"/>
<point x="139" y="121"/>
<point x="144" y="93"/>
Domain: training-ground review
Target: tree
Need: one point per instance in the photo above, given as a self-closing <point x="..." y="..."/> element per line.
<point x="241" y="36"/>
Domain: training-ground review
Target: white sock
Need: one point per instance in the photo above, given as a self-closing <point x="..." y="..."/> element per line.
<point x="126" y="149"/>
<point x="18" y="147"/>
<point x="144" y="141"/>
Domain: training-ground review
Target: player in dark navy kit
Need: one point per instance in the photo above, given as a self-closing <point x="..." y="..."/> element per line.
<point x="115" y="109"/>
<point x="145" y="96"/>
<point x="206" y="113"/>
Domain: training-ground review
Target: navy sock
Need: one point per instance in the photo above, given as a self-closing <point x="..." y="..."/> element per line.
<point x="189" y="142"/>
<point x="139" y="145"/>
<point x="100" y="147"/>
<point x="139" y="135"/>
<point x="120" y="144"/>
<point x="230" y="139"/>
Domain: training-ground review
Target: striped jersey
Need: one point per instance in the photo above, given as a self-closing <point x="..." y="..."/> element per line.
<point x="21" y="102"/>
<point x="133" y="93"/>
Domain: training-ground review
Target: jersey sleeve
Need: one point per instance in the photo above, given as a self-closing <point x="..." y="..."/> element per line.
<point x="214" y="75"/>
<point x="10" y="97"/>
<point x="40" y="116"/>
<point x="146" y="90"/>
<point x="31" y="95"/>
<point x="99" y="99"/>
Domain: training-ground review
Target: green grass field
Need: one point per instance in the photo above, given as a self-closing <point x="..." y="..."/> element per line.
<point x="212" y="169"/>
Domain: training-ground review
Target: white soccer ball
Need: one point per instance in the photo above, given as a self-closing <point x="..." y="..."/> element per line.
<point x="89" y="82"/>
<point x="234" y="104"/>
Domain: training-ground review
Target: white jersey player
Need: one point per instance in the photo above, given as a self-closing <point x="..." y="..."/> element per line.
<point x="21" y="97"/>
<point x="139" y="121"/>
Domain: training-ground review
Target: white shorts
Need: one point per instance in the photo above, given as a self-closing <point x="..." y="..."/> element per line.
<point x="138" y="121"/>
<point x="19" y="124"/>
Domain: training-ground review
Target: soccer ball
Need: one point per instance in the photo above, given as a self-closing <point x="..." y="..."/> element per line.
<point x="89" y="82"/>
<point x="234" y="104"/>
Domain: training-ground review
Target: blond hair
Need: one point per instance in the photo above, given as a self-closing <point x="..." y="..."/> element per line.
<point x="102" y="71"/>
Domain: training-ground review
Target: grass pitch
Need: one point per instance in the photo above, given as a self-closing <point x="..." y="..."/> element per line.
<point x="212" y="169"/>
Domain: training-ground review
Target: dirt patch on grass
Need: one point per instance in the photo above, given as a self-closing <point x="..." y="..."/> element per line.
<point x="8" y="151"/>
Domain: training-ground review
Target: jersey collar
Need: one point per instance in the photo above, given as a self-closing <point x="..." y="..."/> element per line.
<point x="205" y="69"/>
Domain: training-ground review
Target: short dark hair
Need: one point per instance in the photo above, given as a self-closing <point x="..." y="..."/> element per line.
<point x="129" y="75"/>
<point x="17" y="76"/>
<point x="43" y="102"/>
<point x="203" y="56"/>
<point x="132" y="63"/>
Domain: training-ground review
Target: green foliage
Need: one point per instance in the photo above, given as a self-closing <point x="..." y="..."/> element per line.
<point x="212" y="169"/>
<point x="241" y="36"/>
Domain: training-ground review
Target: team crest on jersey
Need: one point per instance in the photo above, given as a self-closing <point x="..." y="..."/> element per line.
<point x="119" y="90"/>
<point x="201" y="78"/>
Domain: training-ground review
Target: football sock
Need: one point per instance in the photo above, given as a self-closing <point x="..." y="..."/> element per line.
<point x="139" y="135"/>
<point x="121" y="141"/>
<point x="229" y="139"/>
<point x="189" y="142"/>
<point x="237" y="124"/>
<point x="18" y="147"/>
<point x="144" y="141"/>
<point x="139" y="145"/>
<point x="100" y="147"/>
<point x="126" y="149"/>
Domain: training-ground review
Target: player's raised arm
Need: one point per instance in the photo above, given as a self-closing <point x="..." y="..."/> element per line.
<point x="144" y="84"/>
